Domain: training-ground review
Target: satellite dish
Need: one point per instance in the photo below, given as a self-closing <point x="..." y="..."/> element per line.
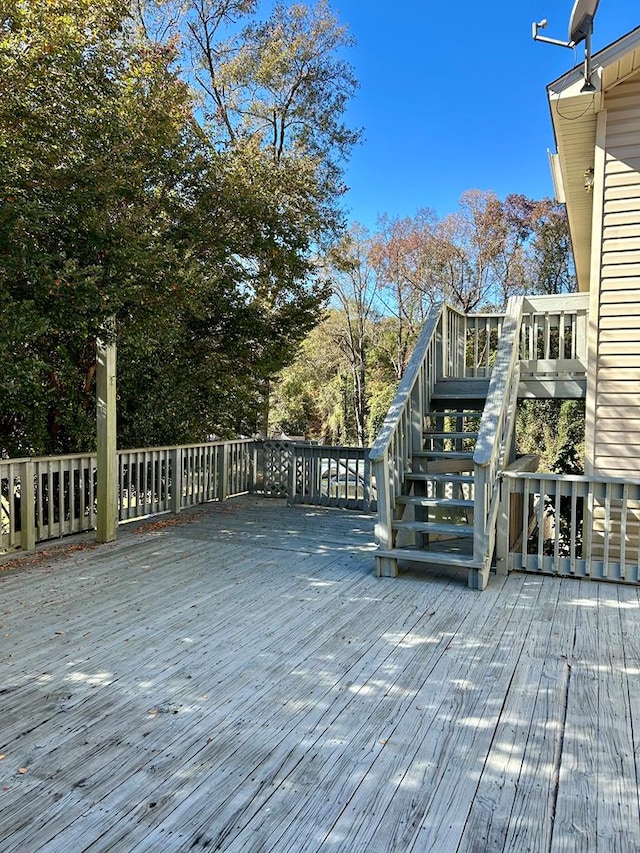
<point x="581" y="20"/>
<point x="580" y="29"/>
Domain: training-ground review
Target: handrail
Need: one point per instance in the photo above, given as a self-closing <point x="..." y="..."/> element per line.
<point x="494" y="444"/>
<point x="401" y="432"/>
<point x="407" y="383"/>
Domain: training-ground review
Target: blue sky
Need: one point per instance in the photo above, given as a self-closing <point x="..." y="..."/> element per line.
<point x="453" y="96"/>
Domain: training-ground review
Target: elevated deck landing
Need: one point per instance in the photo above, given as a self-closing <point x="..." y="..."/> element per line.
<point x="241" y="681"/>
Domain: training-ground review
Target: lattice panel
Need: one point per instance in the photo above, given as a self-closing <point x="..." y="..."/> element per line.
<point x="276" y="465"/>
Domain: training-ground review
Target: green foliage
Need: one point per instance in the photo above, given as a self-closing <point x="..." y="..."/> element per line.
<point x="92" y="139"/>
<point x="281" y="85"/>
<point x="116" y="203"/>
<point x="554" y="429"/>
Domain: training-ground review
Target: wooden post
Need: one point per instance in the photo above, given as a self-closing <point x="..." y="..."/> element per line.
<point x="223" y="471"/>
<point x="27" y="506"/>
<point x="442" y="363"/>
<point x="107" y="521"/>
<point x="503" y="528"/>
<point x="366" y="485"/>
<point x="479" y="512"/>
<point x="292" y="460"/>
<point x="176" y="480"/>
<point x="386" y="567"/>
<point x="252" y="461"/>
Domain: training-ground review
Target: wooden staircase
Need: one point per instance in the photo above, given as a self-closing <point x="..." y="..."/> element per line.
<point x="449" y="435"/>
<point x="434" y="518"/>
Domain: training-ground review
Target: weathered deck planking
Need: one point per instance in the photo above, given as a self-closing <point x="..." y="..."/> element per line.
<point x="531" y="817"/>
<point x="242" y="682"/>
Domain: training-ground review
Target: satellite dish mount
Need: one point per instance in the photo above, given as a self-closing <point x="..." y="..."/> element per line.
<point x="580" y="30"/>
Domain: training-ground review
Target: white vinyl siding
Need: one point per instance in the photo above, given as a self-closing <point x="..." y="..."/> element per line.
<point x="616" y="449"/>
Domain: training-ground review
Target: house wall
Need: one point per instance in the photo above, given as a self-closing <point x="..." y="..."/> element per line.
<point x="613" y="427"/>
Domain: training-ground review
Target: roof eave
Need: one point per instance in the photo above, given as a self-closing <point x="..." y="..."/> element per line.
<point x="574" y="117"/>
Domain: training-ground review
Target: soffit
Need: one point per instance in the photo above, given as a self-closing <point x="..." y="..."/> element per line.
<point x="574" y="117"/>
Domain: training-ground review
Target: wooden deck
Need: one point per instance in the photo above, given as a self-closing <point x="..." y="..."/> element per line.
<point x="241" y="681"/>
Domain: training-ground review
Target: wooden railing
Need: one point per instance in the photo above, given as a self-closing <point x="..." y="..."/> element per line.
<point x="482" y="335"/>
<point x="401" y="433"/>
<point x="51" y="497"/>
<point x="570" y="525"/>
<point x="212" y="471"/>
<point x="553" y="339"/>
<point x="323" y="475"/>
<point x="495" y="446"/>
<point x="469" y="343"/>
<point x="44" y="498"/>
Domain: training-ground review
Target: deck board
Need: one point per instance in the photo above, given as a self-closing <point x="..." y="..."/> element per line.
<point x="241" y="681"/>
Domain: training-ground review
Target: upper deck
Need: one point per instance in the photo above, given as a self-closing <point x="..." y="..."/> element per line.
<point x="240" y="681"/>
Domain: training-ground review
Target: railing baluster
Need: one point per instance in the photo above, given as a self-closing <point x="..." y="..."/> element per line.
<point x="557" y="522"/>
<point x="606" y="529"/>
<point x="573" y="545"/>
<point x="623" y="530"/>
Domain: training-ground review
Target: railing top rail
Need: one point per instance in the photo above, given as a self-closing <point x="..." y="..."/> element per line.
<point x="407" y="383"/>
<point x="553" y="303"/>
<point x="217" y="443"/>
<point x="505" y="364"/>
<point x="323" y="448"/>
<point x="570" y="478"/>
<point x="485" y="314"/>
<point x="58" y="457"/>
<point x="19" y="461"/>
<point x="450" y="308"/>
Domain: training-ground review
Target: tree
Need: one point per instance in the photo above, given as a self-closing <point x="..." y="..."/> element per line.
<point x="92" y="142"/>
<point x="353" y="284"/>
<point x="549" y="264"/>
<point x="118" y="204"/>
<point x="311" y="395"/>
<point x="273" y="91"/>
<point x="208" y="359"/>
<point x="475" y="258"/>
<point x="401" y="254"/>
<point x="279" y="85"/>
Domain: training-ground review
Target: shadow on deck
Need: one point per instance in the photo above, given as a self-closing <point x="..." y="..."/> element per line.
<point x="240" y="681"/>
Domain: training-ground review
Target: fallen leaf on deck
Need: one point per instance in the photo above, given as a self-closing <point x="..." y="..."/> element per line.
<point x="23" y="770"/>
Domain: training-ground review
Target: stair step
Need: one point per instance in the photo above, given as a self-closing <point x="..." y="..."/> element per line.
<point x="433" y="434"/>
<point x="443" y="454"/>
<point x="457" y="414"/>
<point x="441" y="478"/>
<point x="460" y="389"/>
<point x="450" y="466"/>
<point x="434" y="527"/>
<point x="420" y="556"/>
<point x="454" y="503"/>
